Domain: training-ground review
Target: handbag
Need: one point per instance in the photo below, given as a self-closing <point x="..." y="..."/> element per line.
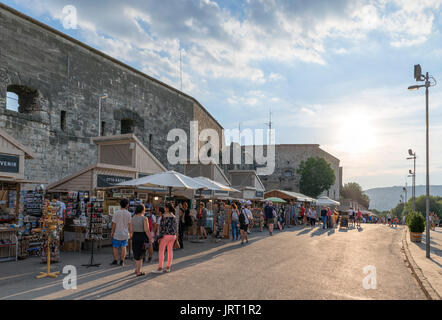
<point x="176" y="244"/>
<point x="161" y="234"/>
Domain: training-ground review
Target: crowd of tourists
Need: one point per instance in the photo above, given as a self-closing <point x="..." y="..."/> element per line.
<point x="164" y="228"/>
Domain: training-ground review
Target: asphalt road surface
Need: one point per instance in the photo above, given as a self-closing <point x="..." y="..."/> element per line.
<point x="298" y="263"/>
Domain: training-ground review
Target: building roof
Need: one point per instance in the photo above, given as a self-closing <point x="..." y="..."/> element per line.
<point x="300" y="145"/>
<point x="92" y="167"/>
<point x="28" y="153"/>
<point x="128" y="137"/>
<point x="102" y="54"/>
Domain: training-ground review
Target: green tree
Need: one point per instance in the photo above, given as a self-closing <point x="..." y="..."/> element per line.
<point x="398" y="210"/>
<point x="421" y="204"/>
<point x="317" y="176"/>
<point x="353" y="190"/>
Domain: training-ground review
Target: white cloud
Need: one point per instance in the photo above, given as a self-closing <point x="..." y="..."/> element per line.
<point x="217" y="44"/>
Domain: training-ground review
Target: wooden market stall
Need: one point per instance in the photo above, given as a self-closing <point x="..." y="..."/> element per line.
<point x="219" y="211"/>
<point x="250" y="189"/>
<point x="120" y="158"/>
<point x="13" y="200"/>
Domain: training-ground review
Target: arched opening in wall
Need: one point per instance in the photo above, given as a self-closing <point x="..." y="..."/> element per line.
<point x="127" y="126"/>
<point x="22" y="99"/>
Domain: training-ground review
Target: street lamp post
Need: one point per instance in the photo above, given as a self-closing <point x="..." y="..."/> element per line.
<point x="420" y="77"/>
<point x="413" y="175"/>
<point x="102" y="97"/>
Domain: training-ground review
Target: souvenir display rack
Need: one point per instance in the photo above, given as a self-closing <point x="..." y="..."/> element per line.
<point x="8" y="245"/>
<point x="50" y="229"/>
<point x="34" y="203"/>
<point x="50" y="226"/>
<point x="95" y="215"/>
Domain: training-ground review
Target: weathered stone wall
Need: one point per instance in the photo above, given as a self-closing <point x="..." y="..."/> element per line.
<point x="70" y="77"/>
<point x="206" y="121"/>
<point x="288" y="159"/>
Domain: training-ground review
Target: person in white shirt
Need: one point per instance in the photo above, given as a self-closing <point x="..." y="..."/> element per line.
<point x="313" y="216"/>
<point x="61" y="206"/>
<point x="249" y="215"/>
<point x="121" y="231"/>
<point x="310" y="216"/>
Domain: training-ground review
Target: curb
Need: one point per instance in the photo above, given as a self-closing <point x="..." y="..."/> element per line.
<point x="416" y="271"/>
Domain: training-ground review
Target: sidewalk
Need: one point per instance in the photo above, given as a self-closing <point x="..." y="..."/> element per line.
<point x="431" y="268"/>
<point x="18" y="279"/>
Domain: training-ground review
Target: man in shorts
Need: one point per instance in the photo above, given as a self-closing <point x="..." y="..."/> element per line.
<point x="121" y="230"/>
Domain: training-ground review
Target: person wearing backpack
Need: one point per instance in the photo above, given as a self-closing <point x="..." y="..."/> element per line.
<point x="235" y="222"/>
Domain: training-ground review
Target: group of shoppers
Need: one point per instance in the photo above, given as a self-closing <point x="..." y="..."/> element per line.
<point x="143" y="229"/>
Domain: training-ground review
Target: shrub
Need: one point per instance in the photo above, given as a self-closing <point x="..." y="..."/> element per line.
<point x="416" y="222"/>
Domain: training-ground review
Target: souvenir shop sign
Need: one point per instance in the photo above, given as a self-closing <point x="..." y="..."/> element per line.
<point x="104" y="181"/>
<point x="9" y="163"/>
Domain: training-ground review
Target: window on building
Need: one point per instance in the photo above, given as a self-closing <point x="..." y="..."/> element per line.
<point x="127" y="126"/>
<point x="63" y="120"/>
<point x="288" y="173"/>
<point x="150" y="142"/>
<point x="12" y="101"/>
<point x="103" y="125"/>
<point x="22" y="99"/>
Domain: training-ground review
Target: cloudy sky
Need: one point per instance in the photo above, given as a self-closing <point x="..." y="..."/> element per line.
<point x="334" y="72"/>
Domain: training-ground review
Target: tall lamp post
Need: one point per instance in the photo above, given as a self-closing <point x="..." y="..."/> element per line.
<point x="420" y="77"/>
<point x="102" y="97"/>
<point x="413" y="175"/>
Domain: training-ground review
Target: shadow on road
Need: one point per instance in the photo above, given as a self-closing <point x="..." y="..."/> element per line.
<point x="42" y="288"/>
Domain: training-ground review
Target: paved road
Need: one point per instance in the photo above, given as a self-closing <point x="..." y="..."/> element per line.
<point x="300" y="263"/>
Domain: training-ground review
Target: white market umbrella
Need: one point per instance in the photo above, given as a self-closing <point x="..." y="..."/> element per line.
<point x="214" y="185"/>
<point x="326" y="201"/>
<point x="168" y="179"/>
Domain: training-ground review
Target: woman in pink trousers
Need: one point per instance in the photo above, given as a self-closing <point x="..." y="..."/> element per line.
<point x="168" y="232"/>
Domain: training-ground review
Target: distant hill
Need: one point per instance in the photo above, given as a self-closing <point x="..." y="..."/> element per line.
<point x="387" y="198"/>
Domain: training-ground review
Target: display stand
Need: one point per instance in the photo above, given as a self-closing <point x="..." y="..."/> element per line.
<point x="49" y="225"/>
<point x="95" y="230"/>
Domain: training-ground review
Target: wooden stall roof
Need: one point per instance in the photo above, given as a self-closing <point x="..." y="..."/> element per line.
<point x="83" y="180"/>
<point x="211" y="171"/>
<point x="8" y="140"/>
<point x="142" y="154"/>
<point x="258" y="183"/>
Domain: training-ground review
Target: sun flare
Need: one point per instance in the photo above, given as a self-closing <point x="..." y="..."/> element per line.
<point x="356" y="134"/>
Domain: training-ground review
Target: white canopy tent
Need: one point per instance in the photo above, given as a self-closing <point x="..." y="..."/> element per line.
<point x="326" y="201"/>
<point x="213" y="185"/>
<point x="168" y="179"/>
